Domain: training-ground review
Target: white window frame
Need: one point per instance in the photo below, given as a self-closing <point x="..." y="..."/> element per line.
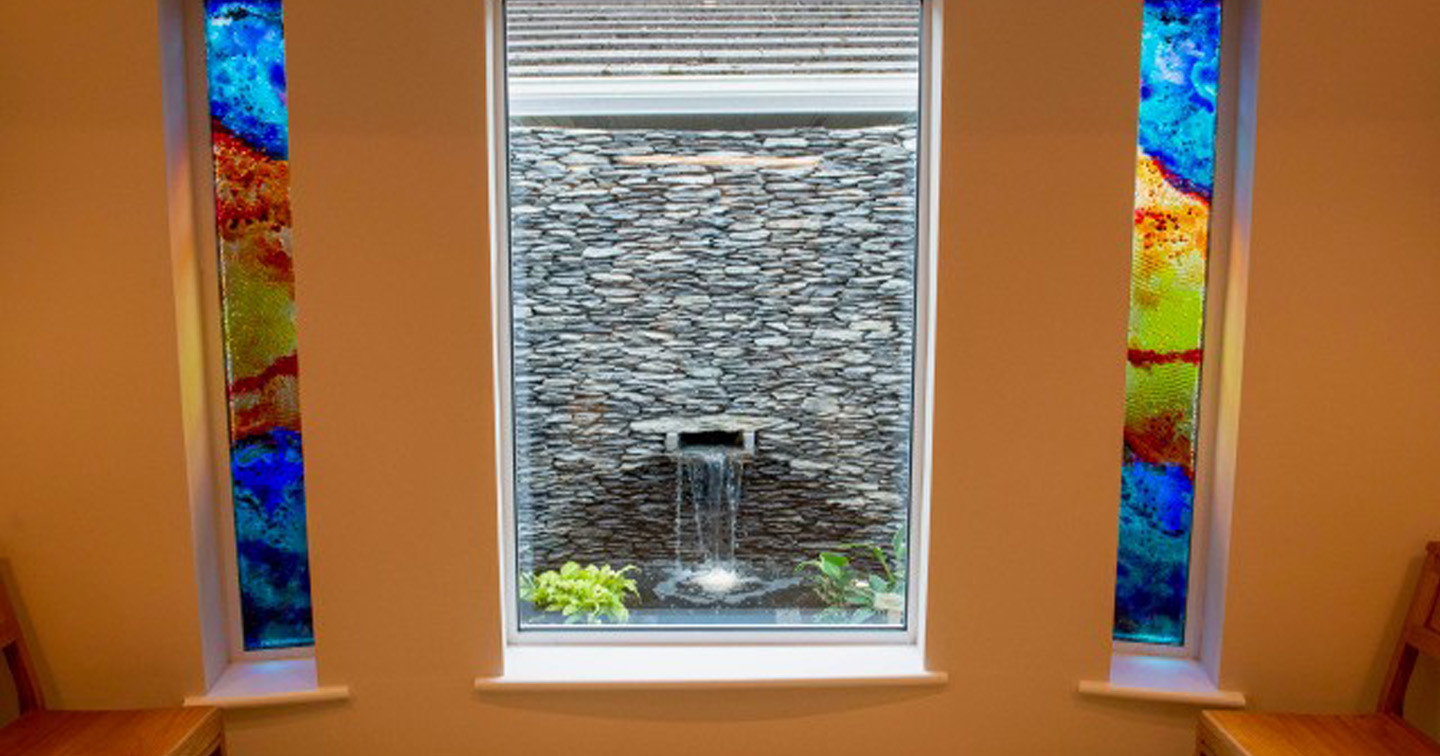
<point x="1210" y="458"/>
<point x="202" y="164"/>
<point x="928" y="157"/>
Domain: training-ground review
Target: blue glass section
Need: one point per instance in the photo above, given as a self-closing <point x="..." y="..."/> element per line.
<point x="1153" y="575"/>
<point x="268" y="485"/>
<point x="1180" y="80"/>
<point x="245" y="64"/>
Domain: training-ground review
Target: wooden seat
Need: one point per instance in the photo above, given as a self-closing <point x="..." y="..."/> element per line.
<point x="152" y="732"/>
<point x="1385" y="733"/>
<point x="148" y="732"/>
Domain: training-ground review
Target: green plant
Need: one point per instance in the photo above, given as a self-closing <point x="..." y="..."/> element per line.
<point x="852" y="595"/>
<point x="590" y="593"/>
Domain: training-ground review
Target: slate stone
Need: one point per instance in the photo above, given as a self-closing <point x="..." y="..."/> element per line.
<point x="648" y="291"/>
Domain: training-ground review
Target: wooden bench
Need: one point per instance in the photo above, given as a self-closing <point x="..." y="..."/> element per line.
<point x="1384" y="733"/>
<point x="147" y="732"/>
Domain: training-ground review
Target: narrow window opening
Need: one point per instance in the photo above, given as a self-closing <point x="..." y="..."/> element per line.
<point x="1180" y="102"/>
<point x="245" y="75"/>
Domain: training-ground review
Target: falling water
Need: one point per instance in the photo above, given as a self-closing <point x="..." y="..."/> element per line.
<point x="709" y="479"/>
<point x="715" y="477"/>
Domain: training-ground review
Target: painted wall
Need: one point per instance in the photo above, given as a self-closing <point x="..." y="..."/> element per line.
<point x="1336" y="489"/>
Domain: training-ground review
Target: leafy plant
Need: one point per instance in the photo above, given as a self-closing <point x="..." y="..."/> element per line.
<point x="852" y="595"/>
<point x="591" y="593"/>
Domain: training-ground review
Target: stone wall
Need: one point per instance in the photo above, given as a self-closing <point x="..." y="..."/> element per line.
<point x="663" y="274"/>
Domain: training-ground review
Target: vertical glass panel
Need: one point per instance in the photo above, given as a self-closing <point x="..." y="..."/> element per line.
<point x="245" y="65"/>
<point x="1174" y="181"/>
<point x="712" y="263"/>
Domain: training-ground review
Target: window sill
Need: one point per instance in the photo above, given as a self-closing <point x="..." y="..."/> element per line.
<point x="1154" y="678"/>
<point x="708" y="667"/>
<point x="252" y="684"/>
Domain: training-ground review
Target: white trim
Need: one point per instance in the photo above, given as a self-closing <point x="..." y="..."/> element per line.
<point x="252" y="684"/>
<point x="202" y="161"/>
<point x="500" y="307"/>
<point x="1151" y="678"/>
<point x="186" y="248"/>
<point x="932" y="47"/>
<point x="701" y="636"/>
<point x="705" y="667"/>
<point x="1243" y="77"/>
<point x="910" y="638"/>
<point x="687" y="95"/>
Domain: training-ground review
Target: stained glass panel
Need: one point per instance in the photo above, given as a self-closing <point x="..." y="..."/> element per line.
<point x="1175" y="174"/>
<point x="245" y="64"/>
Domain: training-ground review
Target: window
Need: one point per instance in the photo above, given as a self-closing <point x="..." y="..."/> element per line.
<point x="245" y="72"/>
<point x="1171" y="263"/>
<point x="711" y="280"/>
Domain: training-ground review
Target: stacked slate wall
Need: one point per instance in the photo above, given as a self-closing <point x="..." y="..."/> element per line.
<point x="646" y="286"/>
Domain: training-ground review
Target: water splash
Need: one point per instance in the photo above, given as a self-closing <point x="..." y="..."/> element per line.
<point x="718" y="579"/>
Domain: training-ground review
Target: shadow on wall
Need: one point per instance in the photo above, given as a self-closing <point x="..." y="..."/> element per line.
<point x="9" y="703"/>
<point x="1422" y="702"/>
<point x="1422" y="705"/>
<point x="9" y="697"/>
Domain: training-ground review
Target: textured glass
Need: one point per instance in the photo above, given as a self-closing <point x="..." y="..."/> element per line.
<point x="1174" y="180"/>
<point x="713" y="310"/>
<point x="245" y="64"/>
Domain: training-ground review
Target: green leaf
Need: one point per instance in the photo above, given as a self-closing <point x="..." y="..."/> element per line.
<point x="591" y="593"/>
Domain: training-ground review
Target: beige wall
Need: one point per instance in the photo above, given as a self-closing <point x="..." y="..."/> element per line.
<point x="1337" y="486"/>
<point x="1339" y="474"/>
<point x="93" y="510"/>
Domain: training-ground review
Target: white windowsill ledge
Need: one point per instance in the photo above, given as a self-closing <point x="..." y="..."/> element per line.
<point x="1155" y="678"/>
<point x="708" y="667"/>
<point x="280" y="682"/>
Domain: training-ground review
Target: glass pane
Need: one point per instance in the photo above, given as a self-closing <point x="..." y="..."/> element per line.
<point x="245" y="63"/>
<point x="712" y="277"/>
<point x="1174" y="181"/>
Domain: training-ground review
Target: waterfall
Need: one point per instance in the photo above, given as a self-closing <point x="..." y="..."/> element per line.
<point x="709" y="483"/>
<point x="715" y="479"/>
